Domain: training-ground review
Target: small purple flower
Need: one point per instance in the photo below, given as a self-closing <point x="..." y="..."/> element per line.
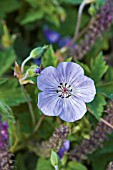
<point x="37" y="70"/>
<point x="65" y="90"/>
<point x="65" y="148"/>
<point x="51" y="36"/>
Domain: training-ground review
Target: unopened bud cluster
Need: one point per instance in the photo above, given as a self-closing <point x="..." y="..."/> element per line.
<point x="97" y="138"/>
<point x="100" y="24"/>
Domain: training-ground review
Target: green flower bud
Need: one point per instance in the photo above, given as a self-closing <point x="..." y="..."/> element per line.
<point x="37" y="52"/>
<point x="92" y="10"/>
<point x="54" y="158"/>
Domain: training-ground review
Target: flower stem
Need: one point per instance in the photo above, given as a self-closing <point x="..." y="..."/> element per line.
<point x="78" y="22"/>
<point x="107" y="123"/>
<point x="29" y="104"/>
<point x="39" y="124"/>
<point x="24" y="62"/>
<point x="25" y="77"/>
<point x="80" y="11"/>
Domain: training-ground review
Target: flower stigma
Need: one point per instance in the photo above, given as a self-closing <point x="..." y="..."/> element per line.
<point x="64" y="90"/>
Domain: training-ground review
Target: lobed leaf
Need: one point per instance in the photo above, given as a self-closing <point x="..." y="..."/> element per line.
<point x="98" y="68"/>
<point x="7" y="57"/>
<point x="97" y="105"/>
<point x="49" y="58"/>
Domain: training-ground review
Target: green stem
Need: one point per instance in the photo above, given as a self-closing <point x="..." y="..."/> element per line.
<point x="24" y="62"/>
<point x="29" y="104"/>
<point x="38" y="124"/>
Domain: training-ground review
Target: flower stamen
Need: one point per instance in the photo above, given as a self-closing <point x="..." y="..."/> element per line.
<point x="64" y="90"/>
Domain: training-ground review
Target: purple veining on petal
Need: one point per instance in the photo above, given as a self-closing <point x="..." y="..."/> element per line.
<point x="65" y="90"/>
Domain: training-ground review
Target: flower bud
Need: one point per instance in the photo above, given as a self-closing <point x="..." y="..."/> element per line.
<point x="54" y="158"/>
<point x="33" y="71"/>
<point x="37" y="52"/>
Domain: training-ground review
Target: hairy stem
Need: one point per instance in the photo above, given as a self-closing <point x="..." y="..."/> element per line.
<point x="78" y="23"/>
<point x="29" y="104"/>
<point x="102" y="120"/>
<point x="24" y="62"/>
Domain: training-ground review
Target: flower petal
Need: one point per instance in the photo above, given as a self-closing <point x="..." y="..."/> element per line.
<point x="73" y="109"/>
<point x="49" y="103"/>
<point x="48" y="79"/>
<point x="84" y="89"/>
<point x="69" y="72"/>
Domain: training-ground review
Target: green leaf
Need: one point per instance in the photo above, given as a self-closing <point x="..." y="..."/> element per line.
<point x="33" y="3"/>
<point x="10" y="93"/>
<point x="76" y="166"/>
<point x="49" y="58"/>
<point x="74" y="2"/>
<point x="8" y="6"/>
<point x="85" y="67"/>
<point x="97" y="105"/>
<point x="31" y="16"/>
<point x="68" y="59"/>
<point x="100" y="2"/>
<point x="98" y="68"/>
<point x="2" y="80"/>
<point x="109" y="74"/>
<point x="105" y="154"/>
<point x="43" y="164"/>
<point x="106" y="89"/>
<point x="7" y="57"/>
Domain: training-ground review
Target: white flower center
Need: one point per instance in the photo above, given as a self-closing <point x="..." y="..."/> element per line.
<point x="64" y="90"/>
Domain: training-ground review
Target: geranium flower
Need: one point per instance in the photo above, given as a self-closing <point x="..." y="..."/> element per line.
<point x="65" y="90"/>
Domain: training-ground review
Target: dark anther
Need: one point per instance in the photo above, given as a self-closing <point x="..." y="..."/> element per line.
<point x="60" y="96"/>
<point x="59" y="86"/>
<point x="65" y="84"/>
<point x="68" y="96"/>
<point x="69" y="85"/>
<point x="57" y="91"/>
<point x="71" y="90"/>
<point x="60" y="83"/>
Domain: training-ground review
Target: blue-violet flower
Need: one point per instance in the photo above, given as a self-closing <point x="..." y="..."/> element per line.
<point x="65" y="90"/>
<point x="64" y="149"/>
<point x="51" y="36"/>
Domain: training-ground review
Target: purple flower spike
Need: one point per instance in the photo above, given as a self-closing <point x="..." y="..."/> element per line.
<point x="65" y="148"/>
<point x="65" y="90"/>
<point x="51" y="36"/>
